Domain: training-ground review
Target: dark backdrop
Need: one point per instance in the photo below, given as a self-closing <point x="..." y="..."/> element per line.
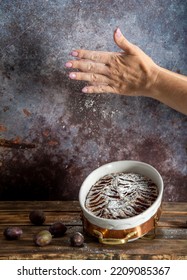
<point x="73" y="133"/>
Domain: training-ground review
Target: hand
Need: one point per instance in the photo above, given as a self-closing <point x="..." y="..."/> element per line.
<point x="130" y="72"/>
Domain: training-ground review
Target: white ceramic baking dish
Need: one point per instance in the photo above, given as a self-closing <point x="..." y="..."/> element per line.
<point x="119" y="231"/>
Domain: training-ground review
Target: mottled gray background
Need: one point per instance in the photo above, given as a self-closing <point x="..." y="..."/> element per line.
<point x="74" y="133"/>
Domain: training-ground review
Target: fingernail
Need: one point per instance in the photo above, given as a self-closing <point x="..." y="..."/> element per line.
<point x="72" y="75"/>
<point x="68" y="64"/>
<point x="118" y="33"/>
<point x="85" y="90"/>
<point x="74" y="53"/>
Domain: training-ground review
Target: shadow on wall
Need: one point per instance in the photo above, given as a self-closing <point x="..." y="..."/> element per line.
<point x="38" y="180"/>
<point x="30" y="64"/>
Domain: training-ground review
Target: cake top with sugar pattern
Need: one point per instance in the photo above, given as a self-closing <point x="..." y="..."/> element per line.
<point x="121" y="195"/>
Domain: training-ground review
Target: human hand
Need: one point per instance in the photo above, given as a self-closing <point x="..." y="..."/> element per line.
<point x="130" y="72"/>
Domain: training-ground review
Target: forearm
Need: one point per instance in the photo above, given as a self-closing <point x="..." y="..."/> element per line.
<point x="171" y="89"/>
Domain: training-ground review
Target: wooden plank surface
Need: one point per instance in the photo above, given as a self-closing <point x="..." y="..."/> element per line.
<point x="170" y="241"/>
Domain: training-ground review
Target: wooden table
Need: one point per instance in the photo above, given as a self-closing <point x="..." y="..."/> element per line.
<point x="170" y="241"/>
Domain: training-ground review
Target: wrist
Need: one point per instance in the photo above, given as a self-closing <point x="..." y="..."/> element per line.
<point x="154" y="81"/>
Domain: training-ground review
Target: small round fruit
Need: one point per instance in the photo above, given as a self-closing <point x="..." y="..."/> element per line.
<point x="37" y="217"/>
<point x="77" y="239"/>
<point x="13" y="233"/>
<point x="57" y="229"/>
<point x="43" y="238"/>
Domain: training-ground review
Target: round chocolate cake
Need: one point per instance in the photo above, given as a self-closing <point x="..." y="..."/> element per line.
<point x="121" y="195"/>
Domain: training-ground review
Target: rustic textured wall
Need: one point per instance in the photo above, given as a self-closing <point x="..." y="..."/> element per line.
<point x="72" y="133"/>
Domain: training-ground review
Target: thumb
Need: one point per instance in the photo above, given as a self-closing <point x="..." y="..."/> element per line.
<point x="122" y="42"/>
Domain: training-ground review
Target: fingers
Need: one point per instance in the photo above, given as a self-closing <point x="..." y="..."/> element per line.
<point x="123" y="43"/>
<point x="98" y="89"/>
<point x="88" y="66"/>
<point x="98" y="56"/>
<point x="89" y="77"/>
<point x="101" y="69"/>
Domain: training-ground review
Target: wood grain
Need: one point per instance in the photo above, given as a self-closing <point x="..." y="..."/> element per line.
<point x="170" y="241"/>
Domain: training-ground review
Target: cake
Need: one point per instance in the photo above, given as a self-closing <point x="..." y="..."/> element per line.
<point x="121" y="195"/>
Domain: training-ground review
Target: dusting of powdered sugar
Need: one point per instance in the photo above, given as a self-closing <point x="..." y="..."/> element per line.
<point x="121" y="195"/>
